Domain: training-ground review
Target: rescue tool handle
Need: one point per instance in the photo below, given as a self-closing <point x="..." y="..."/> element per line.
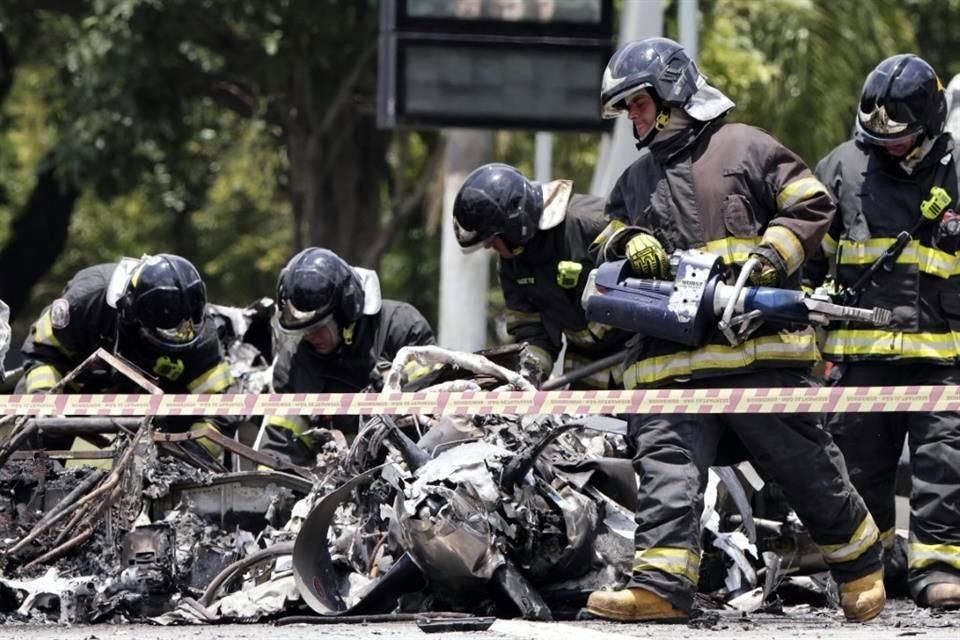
<point x="852" y="294"/>
<point x="725" y="324"/>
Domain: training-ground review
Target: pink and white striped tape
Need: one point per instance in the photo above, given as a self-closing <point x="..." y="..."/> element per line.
<point x="705" y="401"/>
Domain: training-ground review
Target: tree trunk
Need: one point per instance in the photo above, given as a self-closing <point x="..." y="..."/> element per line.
<point x="38" y="236"/>
<point x="337" y="169"/>
<point x="302" y="149"/>
<point x="347" y="213"/>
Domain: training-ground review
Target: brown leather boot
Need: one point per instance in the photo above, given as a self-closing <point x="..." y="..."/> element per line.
<point x="633" y="605"/>
<point x="864" y="598"/>
<point x="942" y="595"/>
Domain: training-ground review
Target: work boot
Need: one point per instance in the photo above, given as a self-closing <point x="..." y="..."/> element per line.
<point x="633" y="605"/>
<point x="864" y="598"/>
<point x="942" y="595"/>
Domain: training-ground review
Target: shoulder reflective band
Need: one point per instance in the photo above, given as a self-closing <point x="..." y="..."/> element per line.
<point x="706" y="401"/>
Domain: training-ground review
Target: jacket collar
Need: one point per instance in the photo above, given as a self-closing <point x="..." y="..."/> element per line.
<point x="556" y="197"/>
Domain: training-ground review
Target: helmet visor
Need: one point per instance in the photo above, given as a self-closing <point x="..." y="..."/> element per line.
<point x="471" y="239"/>
<point x="887" y="133"/>
<point x="889" y="113"/>
<point x="168" y="307"/>
<point x="618" y="101"/>
<point x="184" y="333"/>
<point x="294" y="320"/>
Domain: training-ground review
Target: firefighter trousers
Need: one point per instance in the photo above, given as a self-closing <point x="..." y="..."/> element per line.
<point x="872" y="443"/>
<point x="673" y="453"/>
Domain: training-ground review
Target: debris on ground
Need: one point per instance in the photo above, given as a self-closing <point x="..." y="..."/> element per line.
<point x="507" y="516"/>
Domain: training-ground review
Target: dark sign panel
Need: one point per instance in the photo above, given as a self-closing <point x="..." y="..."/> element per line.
<point x="501" y="14"/>
<point x="534" y="64"/>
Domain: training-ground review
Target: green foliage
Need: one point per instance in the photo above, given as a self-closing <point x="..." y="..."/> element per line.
<point x="25" y="138"/>
<point x="934" y="23"/>
<point x="174" y="118"/>
<point x="795" y="67"/>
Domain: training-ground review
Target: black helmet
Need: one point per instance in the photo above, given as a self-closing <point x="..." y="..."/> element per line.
<point x="496" y="199"/>
<point x="902" y="98"/>
<point x="658" y="64"/>
<point x="316" y="285"/>
<point x="167" y="299"/>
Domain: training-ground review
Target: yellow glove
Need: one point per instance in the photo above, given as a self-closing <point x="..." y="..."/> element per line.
<point x="765" y="274"/>
<point x="647" y="257"/>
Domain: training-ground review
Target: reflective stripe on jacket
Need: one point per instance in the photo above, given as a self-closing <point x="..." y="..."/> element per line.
<point x="542" y="304"/>
<point x="876" y="200"/>
<point x="734" y="190"/>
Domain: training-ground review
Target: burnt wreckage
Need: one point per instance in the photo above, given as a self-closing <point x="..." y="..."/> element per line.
<point x="482" y="515"/>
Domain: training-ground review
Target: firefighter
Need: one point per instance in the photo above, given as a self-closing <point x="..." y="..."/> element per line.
<point x="342" y="329"/>
<point x="734" y="190"/>
<point x="899" y="175"/>
<point x="541" y="234"/>
<point x="150" y="311"/>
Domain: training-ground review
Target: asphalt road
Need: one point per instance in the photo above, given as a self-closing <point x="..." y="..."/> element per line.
<point x="901" y="619"/>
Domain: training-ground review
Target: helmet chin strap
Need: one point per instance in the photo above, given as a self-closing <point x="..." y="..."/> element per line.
<point x="911" y="159"/>
<point x="659" y="123"/>
<point x="909" y="162"/>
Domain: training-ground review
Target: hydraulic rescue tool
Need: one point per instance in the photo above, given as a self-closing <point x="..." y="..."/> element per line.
<point x="698" y="300"/>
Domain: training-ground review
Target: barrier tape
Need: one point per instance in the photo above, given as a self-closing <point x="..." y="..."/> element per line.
<point x="656" y="401"/>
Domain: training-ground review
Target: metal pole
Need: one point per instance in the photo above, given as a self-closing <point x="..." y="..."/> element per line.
<point x="464" y="278"/>
<point x="687" y="20"/>
<point x="640" y="19"/>
<point x="584" y="371"/>
<point x="543" y="157"/>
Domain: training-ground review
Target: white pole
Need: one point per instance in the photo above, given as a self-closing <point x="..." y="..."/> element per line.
<point x="543" y="157"/>
<point x="687" y="20"/>
<point x="640" y="19"/>
<point x="464" y="278"/>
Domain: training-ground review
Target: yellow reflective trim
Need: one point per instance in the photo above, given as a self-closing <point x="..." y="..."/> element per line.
<point x="517" y="319"/>
<point x="598" y="329"/>
<point x="42" y="377"/>
<point x="680" y="562"/>
<point x="543" y="359"/>
<point x="732" y="250"/>
<point x="829" y="245"/>
<point x="43" y="333"/>
<point x="869" y="342"/>
<point x="888" y="537"/>
<point x="868" y="251"/>
<point x="861" y="540"/>
<point x="295" y="424"/>
<point x="588" y="337"/>
<point x="414" y="370"/>
<point x="924" y="555"/>
<point x="785" y="346"/>
<point x="581" y="338"/>
<point x="798" y="191"/>
<point x="929" y="260"/>
<point x="937" y="263"/>
<point x="787" y="245"/>
<point x="215" y="380"/>
<point x="612" y="227"/>
<point x="212" y="447"/>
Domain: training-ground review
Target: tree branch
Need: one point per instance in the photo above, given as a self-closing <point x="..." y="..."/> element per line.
<point x="7" y="65"/>
<point x="404" y="208"/>
<point x="37" y="238"/>
<point x="341" y="98"/>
